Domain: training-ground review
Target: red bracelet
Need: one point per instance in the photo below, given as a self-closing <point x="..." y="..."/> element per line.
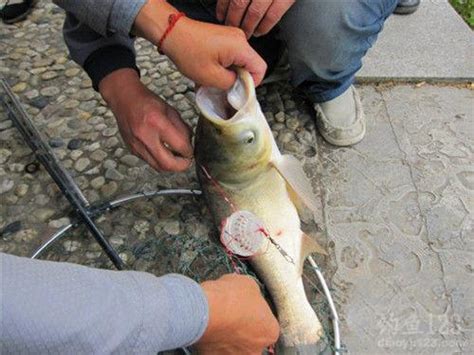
<point x="172" y="19"/>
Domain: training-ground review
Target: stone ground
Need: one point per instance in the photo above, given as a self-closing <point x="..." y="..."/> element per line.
<point x="434" y="43"/>
<point x="396" y="209"/>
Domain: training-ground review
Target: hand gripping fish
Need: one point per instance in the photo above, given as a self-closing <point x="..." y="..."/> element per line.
<point x="241" y="168"/>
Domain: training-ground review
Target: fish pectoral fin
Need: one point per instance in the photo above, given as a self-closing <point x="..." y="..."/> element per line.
<point x="309" y="246"/>
<point x="297" y="201"/>
<point x="291" y="169"/>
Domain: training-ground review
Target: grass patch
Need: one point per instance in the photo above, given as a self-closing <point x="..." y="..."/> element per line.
<point x="466" y="9"/>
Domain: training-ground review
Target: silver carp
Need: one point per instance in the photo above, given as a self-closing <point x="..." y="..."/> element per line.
<point x="240" y="167"/>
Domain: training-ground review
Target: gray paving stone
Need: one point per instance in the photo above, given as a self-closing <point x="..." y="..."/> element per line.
<point x="399" y="209"/>
<point x="432" y="43"/>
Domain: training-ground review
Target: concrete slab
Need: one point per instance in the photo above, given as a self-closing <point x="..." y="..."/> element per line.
<point x="399" y="208"/>
<point x="433" y="43"/>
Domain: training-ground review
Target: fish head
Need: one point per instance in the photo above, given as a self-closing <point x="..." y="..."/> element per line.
<point x="233" y="139"/>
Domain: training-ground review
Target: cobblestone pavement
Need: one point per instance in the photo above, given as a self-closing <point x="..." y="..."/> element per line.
<point x="396" y="209"/>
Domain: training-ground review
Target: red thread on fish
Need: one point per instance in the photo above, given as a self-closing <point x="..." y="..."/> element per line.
<point x="172" y="19"/>
<point x="263" y="231"/>
<point x="218" y="187"/>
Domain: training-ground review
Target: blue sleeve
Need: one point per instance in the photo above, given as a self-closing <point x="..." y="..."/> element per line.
<point x="60" y="308"/>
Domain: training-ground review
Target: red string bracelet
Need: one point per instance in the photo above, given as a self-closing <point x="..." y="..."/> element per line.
<point x="172" y="19"/>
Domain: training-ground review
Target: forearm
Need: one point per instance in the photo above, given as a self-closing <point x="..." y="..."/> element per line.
<point x="67" y="308"/>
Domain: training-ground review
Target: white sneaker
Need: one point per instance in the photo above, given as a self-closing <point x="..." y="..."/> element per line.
<point x="341" y="120"/>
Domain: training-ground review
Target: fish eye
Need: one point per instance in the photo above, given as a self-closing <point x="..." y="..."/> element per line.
<point x="248" y="137"/>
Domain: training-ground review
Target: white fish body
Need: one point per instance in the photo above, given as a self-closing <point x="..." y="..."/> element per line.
<point x="239" y="165"/>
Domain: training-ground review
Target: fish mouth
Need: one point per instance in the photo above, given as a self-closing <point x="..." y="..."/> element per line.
<point x="223" y="107"/>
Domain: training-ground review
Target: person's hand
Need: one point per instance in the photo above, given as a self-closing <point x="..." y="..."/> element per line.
<point x="151" y="128"/>
<point x="203" y="52"/>
<point x="206" y="53"/>
<point x="254" y="17"/>
<point x="240" y="320"/>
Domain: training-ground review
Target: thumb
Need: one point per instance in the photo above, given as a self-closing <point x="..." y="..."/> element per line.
<point x="251" y="61"/>
<point x="223" y="78"/>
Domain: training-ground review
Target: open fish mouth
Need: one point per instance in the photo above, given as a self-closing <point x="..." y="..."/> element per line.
<point x="226" y="107"/>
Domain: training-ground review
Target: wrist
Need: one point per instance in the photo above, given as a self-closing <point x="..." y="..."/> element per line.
<point x="152" y="20"/>
<point x="111" y="87"/>
<point x="216" y="311"/>
<point x="176" y="42"/>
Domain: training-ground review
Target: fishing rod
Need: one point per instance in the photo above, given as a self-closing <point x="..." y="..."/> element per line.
<point x="60" y="176"/>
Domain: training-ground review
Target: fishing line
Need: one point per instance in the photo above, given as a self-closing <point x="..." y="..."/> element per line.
<point x="332" y="307"/>
<point x="219" y="188"/>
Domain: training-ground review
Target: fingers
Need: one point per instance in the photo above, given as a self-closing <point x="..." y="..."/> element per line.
<point x="161" y="138"/>
<point x="273" y="15"/>
<point x="253" y="63"/>
<point x="256" y="17"/>
<point x="236" y="12"/>
<point x="140" y="150"/>
<point x="159" y="157"/>
<point x="166" y="159"/>
<point x="255" y="13"/>
<point x="221" y="9"/>
<point x="222" y="78"/>
<point x="178" y="135"/>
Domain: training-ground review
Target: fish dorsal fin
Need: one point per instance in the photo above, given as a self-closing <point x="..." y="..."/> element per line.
<point x="291" y="169"/>
<point x="309" y="246"/>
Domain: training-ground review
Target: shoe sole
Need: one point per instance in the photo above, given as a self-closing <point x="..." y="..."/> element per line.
<point x="22" y="16"/>
<point x="405" y="10"/>
<point x="345" y="142"/>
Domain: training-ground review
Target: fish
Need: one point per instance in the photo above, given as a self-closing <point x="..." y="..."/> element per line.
<point x="240" y="168"/>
